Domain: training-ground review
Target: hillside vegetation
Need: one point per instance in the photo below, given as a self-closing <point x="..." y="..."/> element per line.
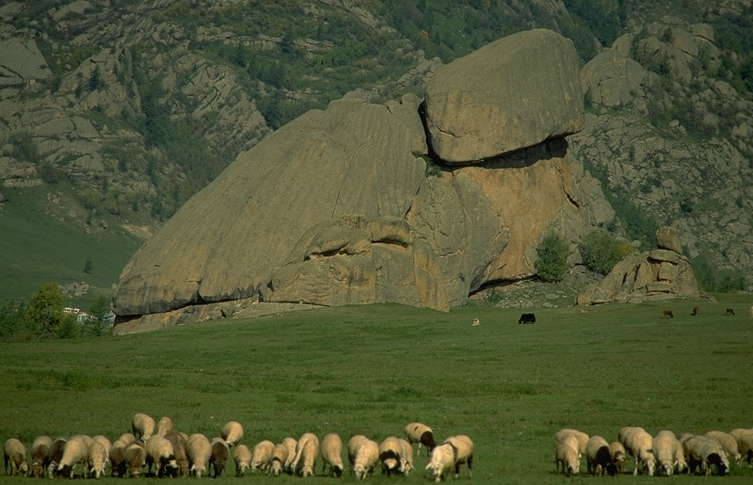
<point x="120" y="111"/>
<point x="371" y="370"/>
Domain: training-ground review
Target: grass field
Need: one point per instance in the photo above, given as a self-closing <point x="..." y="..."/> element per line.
<point x="372" y="369"/>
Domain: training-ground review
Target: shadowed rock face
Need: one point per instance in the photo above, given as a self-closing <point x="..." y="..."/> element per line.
<point x="336" y="208"/>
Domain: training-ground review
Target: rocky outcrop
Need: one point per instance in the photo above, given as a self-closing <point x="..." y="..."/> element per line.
<point x="21" y="61"/>
<point x="659" y="274"/>
<point x="497" y="99"/>
<point x="336" y="208"/>
<point x="612" y="79"/>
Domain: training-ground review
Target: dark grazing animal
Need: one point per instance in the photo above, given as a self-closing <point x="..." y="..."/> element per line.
<point x="695" y="311"/>
<point x="667" y="314"/>
<point x="527" y="318"/>
<point x="729" y="312"/>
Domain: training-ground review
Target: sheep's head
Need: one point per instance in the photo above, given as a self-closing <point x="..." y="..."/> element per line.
<point x="390" y="464"/>
<point x="276" y="468"/>
<point x="360" y="472"/>
<point x="649" y="463"/>
<point x="665" y="469"/>
<point x="435" y="468"/>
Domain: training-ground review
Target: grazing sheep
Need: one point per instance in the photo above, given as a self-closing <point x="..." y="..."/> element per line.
<point x="567" y="457"/>
<point x="475" y="322"/>
<point x="305" y="437"/>
<point x="261" y="458"/>
<point x="365" y="458"/>
<point x="729" y="444"/>
<point x="280" y="458"/>
<point x="389" y="455"/>
<point x="665" y="446"/>
<point x="463" y="447"/>
<point x="667" y="314"/>
<point x="117" y="454"/>
<point x="40" y="455"/>
<point x="406" y="457"/>
<point x="638" y="443"/>
<point x="421" y="434"/>
<point x="527" y="318"/>
<point x="308" y="455"/>
<point x="135" y="458"/>
<point x="218" y="457"/>
<point x="353" y="444"/>
<point x="598" y="458"/>
<point x="618" y="454"/>
<point x="331" y="453"/>
<point x="98" y="456"/>
<point x="15" y="457"/>
<point x="56" y="454"/>
<point x="703" y="451"/>
<point x="242" y="457"/>
<point x="76" y="451"/>
<point x="744" y="438"/>
<point x="198" y="449"/>
<point x="179" y="441"/>
<point x="695" y="311"/>
<point x="231" y="432"/>
<point x="142" y="426"/>
<point x="729" y="312"/>
<point x="102" y="440"/>
<point x="289" y="443"/>
<point x="160" y="452"/>
<point x="566" y="434"/>
<point x="164" y="425"/>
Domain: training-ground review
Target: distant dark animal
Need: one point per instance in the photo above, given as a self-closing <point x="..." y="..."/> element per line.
<point x="667" y="314"/>
<point x="527" y="318"/>
<point x="729" y="312"/>
<point x="695" y="311"/>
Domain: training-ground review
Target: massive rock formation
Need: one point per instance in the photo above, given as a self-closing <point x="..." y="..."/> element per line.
<point x="339" y="207"/>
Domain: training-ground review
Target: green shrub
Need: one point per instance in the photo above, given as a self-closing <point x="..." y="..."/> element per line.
<point x="553" y="252"/>
<point x="601" y="251"/>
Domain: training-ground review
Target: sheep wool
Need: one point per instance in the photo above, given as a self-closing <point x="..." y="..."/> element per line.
<point x="198" y="449"/>
<point x="665" y="446"/>
<point x="179" y="441"/>
<point x="406" y="457"/>
<point x="463" y="446"/>
<point x="289" y="443"/>
<point x="309" y="454"/>
<point x="638" y="443"/>
<point x="568" y="434"/>
<point x="566" y="457"/>
<point x="98" y="456"/>
<point x="744" y="438"/>
<point x="76" y="451"/>
<point x="160" y="452"/>
<point x="389" y="455"/>
<point x="598" y="458"/>
<point x="421" y="434"/>
<point x="117" y="454"/>
<point x="365" y="458"/>
<point x="55" y="455"/>
<point x="232" y="433"/>
<point x="220" y="451"/>
<point x="242" y="456"/>
<point x="164" y="425"/>
<point x="305" y="437"/>
<point x="353" y="443"/>
<point x="331" y="454"/>
<point x="442" y="460"/>
<point x="262" y="456"/>
<point x="618" y="454"/>
<point x="705" y="452"/>
<point x="40" y="459"/>
<point x="729" y="444"/>
<point x="142" y="426"/>
<point x="135" y="457"/>
<point x="15" y="457"/>
<point x="279" y="459"/>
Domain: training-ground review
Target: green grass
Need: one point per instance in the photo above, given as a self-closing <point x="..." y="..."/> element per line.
<point x="372" y="369"/>
<point x="42" y="242"/>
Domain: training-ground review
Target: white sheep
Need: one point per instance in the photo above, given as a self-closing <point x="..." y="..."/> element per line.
<point x="198" y="449"/>
<point x="14" y="455"/>
<point x="40" y="455"/>
<point x="218" y="457"/>
<point x="353" y="444"/>
<point x="365" y="458"/>
<point x="568" y="433"/>
<point x="76" y="451"/>
<point x="638" y="443"/>
<point x="142" y="426"/>
<point x="98" y="456"/>
<point x="566" y="456"/>
<point x="421" y="434"/>
<point x="389" y="455"/>
<point x="744" y="438"/>
<point x="665" y="448"/>
<point x="705" y="451"/>
<point x="231" y="432"/>
<point x="729" y="444"/>
<point x="289" y="443"/>
<point x="164" y="425"/>
<point x="463" y="446"/>
<point x="135" y="458"/>
<point x="279" y="458"/>
<point x="242" y="456"/>
<point x="618" y="454"/>
<point x="55" y="455"/>
<point x="331" y="452"/>
<point x="406" y="457"/>
<point x="442" y="460"/>
<point x="179" y="441"/>
<point x="261" y="458"/>
<point x="117" y="454"/>
<point x="299" y="446"/>
<point x="598" y="458"/>
<point x="160" y="452"/>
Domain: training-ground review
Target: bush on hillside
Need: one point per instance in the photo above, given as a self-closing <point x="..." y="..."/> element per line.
<point x="553" y="252"/>
<point x="601" y="251"/>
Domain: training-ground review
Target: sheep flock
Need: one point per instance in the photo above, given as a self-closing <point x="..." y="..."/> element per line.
<point x="157" y="449"/>
<point x="665" y="454"/>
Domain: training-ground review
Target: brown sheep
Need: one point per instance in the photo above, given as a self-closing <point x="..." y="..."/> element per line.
<point x="56" y="454"/>
<point x="598" y="458"/>
<point x="219" y="456"/>
<point x="40" y="455"/>
<point x="179" y="442"/>
<point x="135" y="458"/>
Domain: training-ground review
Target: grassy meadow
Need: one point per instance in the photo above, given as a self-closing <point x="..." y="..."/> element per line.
<point x="372" y="369"/>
